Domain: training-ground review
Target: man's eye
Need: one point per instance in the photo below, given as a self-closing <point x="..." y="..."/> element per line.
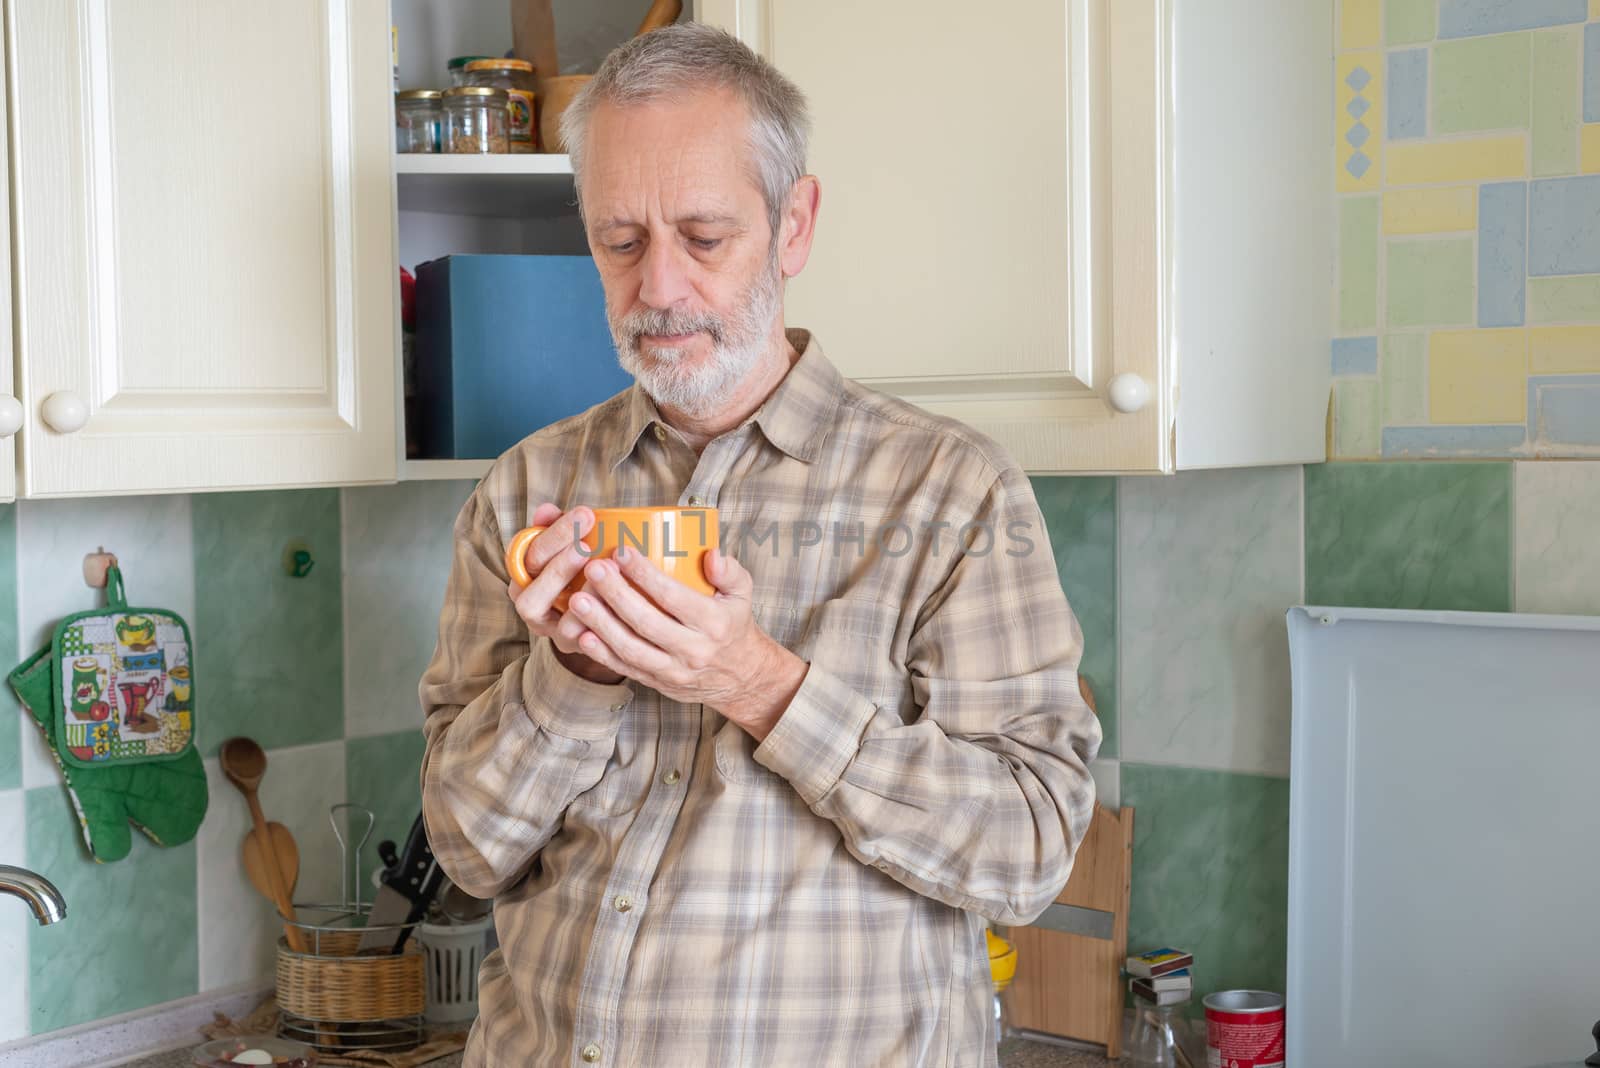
<point x="705" y="244"/>
<point x="624" y="248"/>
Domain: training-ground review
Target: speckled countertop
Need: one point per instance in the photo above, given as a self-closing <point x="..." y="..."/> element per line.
<point x="1014" y="1053"/>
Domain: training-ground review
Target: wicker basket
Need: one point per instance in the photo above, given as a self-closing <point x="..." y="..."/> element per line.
<point x="335" y="999"/>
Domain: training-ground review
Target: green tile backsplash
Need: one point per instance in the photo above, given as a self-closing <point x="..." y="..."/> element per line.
<point x="10" y="651"/>
<point x="281" y="637"/>
<point x="1211" y="871"/>
<point x="1081" y="517"/>
<point x="1409" y="535"/>
<point x="131" y="936"/>
<point x="383" y="772"/>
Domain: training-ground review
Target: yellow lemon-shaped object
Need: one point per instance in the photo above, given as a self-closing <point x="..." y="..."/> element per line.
<point x="1002" y="960"/>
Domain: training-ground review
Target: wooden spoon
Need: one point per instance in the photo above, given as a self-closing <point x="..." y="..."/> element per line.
<point x="270" y="870"/>
<point x="661" y="13"/>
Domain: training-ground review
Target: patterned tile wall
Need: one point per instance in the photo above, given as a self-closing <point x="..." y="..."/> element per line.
<point x="1468" y="180"/>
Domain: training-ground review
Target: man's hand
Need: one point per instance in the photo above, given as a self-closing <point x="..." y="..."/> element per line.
<point x="553" y="561"/>
<point x="693" y="648"/>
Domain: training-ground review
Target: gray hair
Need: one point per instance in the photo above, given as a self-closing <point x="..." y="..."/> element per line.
<point x="690" y="57"/>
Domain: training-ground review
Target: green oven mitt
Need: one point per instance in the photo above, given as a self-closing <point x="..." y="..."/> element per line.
<point x="113" y="695"/>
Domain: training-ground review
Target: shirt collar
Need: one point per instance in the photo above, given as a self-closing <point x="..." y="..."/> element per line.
<point x="799" y="413"/>
<point x="795" y="418"/>
<point x="641" y="415"/>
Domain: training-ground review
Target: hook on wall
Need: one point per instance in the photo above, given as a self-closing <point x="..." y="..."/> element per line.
<point x="95" y="565"/>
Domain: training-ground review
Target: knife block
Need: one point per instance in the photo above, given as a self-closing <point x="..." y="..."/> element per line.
<point x="336" y="998"/>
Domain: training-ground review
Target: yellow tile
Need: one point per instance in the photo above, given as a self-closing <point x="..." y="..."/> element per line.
<point x="1594" y="9"/>
<point x="1430" y="211"/>
<point x="1564" y="350"/>
<point x="1589" y="146"/>
<point x="1475" y="159"/>
<point x="1360" y="24"/>
<point x="1477" y="376"/>
<point x="1359" y="168"/>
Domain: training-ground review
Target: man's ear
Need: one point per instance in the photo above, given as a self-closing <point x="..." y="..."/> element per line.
<point x="799" y="225"/>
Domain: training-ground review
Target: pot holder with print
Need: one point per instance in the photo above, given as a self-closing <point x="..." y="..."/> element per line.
<point x="113" y="695"/>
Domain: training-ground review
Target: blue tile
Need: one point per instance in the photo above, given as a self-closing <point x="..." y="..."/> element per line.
<point x="1473" y="18"/>
<point x="1564" y="410"/>
<point x="1502" y="253"/>
<point x="1423" y="441"/>
<point x="1408" y="93"/>
<point x="1355" y="355"/>
<point x="1591" y="72"/>
<point x="1564" y="226"/>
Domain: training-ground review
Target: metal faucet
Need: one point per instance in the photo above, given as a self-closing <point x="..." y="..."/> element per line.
<point x="40" y="893"/>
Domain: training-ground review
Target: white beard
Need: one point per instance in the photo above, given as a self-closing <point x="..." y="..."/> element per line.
<point x="737" y="345"/>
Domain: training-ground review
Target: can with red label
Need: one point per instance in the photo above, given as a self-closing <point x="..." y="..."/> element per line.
<point x="1244" y="1029"/>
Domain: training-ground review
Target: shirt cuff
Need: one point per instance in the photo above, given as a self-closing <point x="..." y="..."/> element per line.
<point x="817" y="736"/>
<point x="567" y="704"/>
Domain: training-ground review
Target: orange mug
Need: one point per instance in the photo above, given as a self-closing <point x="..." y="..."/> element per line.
<point x="675" y="540"/>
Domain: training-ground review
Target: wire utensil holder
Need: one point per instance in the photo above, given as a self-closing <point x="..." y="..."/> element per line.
<point x="333" y="997"/>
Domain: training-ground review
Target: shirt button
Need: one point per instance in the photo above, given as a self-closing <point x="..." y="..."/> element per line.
<point x="661" y="435"/>
<point x="619" y="706"/>
<point x="623" y="903"/>
<point x="671" y="777"/>
<point x="696" y="502"/>
<point x="590" y="1053"/>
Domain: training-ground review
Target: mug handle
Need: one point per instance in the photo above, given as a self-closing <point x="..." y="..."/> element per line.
<point x="517" y="555"/>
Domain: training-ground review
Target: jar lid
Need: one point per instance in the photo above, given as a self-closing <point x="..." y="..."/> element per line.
<point x="500" y="64"/>
<point x="461" y="61"/>
<point x="483" y="91"/>
<point x="418" y="94"/>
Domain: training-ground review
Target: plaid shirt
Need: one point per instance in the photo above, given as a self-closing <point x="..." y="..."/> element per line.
<point x="670" y="893"/>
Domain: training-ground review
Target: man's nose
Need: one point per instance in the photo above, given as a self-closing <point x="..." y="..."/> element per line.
<point x="664" y="274"/>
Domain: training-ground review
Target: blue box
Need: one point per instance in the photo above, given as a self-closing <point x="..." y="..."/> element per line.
<point x="506" y="345"/>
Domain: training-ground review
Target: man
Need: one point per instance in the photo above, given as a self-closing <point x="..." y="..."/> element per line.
<point x="766" y="826"/>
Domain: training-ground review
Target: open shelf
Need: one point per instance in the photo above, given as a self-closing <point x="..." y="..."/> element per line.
<point x="421" y="470"/>
<point x="530" y="185"/>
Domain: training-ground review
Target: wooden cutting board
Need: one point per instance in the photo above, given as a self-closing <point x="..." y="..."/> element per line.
<point x="1071" y="984"/>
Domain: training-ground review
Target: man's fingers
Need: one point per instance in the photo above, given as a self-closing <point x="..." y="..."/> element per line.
<point x="676" y="599"/>
<point x="631" y="606"/>
<point x="728" y="575"/>
<point x="637" y="654"/>
<point x="561" y="533"/>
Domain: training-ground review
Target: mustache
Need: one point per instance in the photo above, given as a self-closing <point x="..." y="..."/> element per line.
<point x="667" y="321"/>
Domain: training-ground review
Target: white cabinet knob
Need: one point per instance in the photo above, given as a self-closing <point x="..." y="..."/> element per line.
<point x="10" y="416"/>
<point x="65" y="412"/>
<point x="1129" y="393"/>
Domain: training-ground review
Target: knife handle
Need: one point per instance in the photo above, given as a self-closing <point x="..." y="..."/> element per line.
<point x="386" y="852"/>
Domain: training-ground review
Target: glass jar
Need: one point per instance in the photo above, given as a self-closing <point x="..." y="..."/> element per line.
<point x="418" y="120"/>
<point x="457" y="69"/>
<point x="515" y="76"/>
<point x="474" y="119"/>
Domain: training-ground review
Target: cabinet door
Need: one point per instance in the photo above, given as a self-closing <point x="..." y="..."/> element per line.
<point x="205" y="269"/>
<point x="10" y="409"/>
<point x="963" y="257"/>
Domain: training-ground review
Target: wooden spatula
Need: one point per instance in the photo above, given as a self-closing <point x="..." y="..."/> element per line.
<point x="245" y="764"/>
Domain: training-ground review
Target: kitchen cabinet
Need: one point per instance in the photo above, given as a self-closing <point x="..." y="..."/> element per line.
<point x="1098" y="230"/>
<point x="10" y="407"/>
<point x="203" y="244"/>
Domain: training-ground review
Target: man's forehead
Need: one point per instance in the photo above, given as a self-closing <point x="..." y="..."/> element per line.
<point x="689" y="156"/>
